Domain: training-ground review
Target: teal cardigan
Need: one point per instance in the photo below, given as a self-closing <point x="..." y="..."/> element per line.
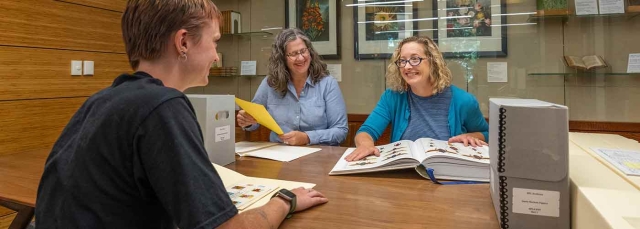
<point x="464" y="115"/>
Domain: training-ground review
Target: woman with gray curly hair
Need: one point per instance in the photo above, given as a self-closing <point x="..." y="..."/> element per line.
<point x="421" y="102"/>
<point x="300" y="95"/>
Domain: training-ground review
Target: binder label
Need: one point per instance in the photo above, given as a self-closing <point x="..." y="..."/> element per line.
<point x="536" y="202"/>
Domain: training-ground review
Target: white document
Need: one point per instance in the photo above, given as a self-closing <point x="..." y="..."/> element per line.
<point x="248" y="68"/>
<point x="282" y="153"/>
<point x="625" y="160"/>
<point x="497" y="72"/>
<point x="536" y="202"/>
<point x="585" y="7"/>
<point x="230" y="177"/>
<point x="244" y="147"/>
<point x="336" y="71"/>
<point x="223" y="133"/>
<point x="611" y="6"/>
<point x="634" y="63"/>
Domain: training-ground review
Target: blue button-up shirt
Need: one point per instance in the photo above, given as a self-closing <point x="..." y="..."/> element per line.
<point x="320" y="111"/>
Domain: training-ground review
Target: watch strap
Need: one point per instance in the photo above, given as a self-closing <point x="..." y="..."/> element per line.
<point x="292" y="202"/>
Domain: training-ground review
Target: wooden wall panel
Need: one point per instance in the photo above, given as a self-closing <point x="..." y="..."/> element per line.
<point x="60" y="25"/>
<point x="114" y="5"/>
<point x="29" y="73"/>
<point x="34" y="124"/>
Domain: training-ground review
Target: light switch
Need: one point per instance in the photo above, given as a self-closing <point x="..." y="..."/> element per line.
<point x="76" y="67"/>
<point x="88" y="68"/>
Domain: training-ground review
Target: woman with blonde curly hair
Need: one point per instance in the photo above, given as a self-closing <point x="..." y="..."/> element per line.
<point x="300" y="95"/>
<point x="421" y="102"/>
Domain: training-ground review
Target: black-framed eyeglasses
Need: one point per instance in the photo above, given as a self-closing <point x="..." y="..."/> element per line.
<point x="413" y="61"/>
<point x="294" y="55"/>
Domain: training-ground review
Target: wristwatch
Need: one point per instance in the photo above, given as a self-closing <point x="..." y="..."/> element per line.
<point x="289" y="197"/>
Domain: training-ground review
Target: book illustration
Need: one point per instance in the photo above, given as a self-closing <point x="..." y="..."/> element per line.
<point x="261" y="188"/>
<point x="244" y="194"/>
<point x="585" y="63"/>
<point x="393" y="155"/>
<point x="452" y="161"/>
<point x="434" y="146"/>
<point x="364" y="161"/>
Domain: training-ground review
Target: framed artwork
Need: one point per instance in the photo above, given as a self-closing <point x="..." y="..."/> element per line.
<point x="471" y="27"/>
<point x="319" y="20"/>
<point x="379" y="27"/>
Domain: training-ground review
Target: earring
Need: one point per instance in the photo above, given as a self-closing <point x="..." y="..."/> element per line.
<point x="183" y="56"/>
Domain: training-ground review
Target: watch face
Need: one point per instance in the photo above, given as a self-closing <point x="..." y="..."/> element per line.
<point x="287" y="194"/>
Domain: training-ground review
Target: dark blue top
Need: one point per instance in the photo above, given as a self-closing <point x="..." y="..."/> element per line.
<point x="393" y="108"/>
<point x="429" y="116"/>
<point x="132" y="157"/>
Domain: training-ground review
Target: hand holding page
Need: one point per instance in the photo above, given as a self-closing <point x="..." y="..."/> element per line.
<point x="260" y="114"/>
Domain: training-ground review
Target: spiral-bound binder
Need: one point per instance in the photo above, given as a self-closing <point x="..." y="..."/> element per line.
<point x="502" y="183"/>
<point x="528" y="147"/>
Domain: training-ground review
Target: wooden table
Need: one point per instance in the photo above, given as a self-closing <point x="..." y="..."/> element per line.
<point x="391" y="199"/>
<point x="19" y="178"/>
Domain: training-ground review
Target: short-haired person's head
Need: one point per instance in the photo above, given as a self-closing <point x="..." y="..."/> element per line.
<point x="418" y="62"/>
<point x="292" y="53"/>
<point x="148" y="26"/>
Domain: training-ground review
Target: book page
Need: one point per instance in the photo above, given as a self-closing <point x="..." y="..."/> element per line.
<point x="244" y="147"/>
<point x="573" y="61"/>
<point x="389" y="154"/>
<point x="228" y="176"/>
<point x="438" y="148"/>
<point x="231" y="178"/>
<point x="282" y="153"/>
<point x="592" y="61"/>
<point x="244" y="194"/>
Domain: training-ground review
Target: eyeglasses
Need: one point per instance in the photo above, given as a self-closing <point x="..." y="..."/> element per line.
<point x="413" y="61"/>
<point x="294" y="55"/>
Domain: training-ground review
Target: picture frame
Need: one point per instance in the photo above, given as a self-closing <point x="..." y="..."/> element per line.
<point x="373" y="37"/>
<point x="465" y="28"/>
<point x="324" y="35"/>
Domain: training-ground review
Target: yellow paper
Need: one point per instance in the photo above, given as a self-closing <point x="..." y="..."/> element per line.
<point x="260" y="114"/>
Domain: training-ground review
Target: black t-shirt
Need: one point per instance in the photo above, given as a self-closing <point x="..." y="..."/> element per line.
<point x="132" y="157"/>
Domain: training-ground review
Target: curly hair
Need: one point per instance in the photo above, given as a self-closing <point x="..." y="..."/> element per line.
<point x="279" y="74"/>
<point x="440" y="75"/>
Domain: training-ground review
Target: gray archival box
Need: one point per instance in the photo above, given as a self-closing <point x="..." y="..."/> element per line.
<point x="216" y="115"/>
<point x="529" y="151"/>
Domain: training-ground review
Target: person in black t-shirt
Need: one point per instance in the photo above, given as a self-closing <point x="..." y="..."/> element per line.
<point x="132" y="156"/>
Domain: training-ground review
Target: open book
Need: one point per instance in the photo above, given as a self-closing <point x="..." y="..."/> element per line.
<point x="252" y="192"/>
<point x="585" y="63"/>
<point x="450" y="161"/>
<point x="273" y="151"/>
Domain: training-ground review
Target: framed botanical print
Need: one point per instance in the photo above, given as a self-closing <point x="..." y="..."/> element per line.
<point x="319" y="20"/>
<point x="477" y="27"/>
<point x="379" y="27"/>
